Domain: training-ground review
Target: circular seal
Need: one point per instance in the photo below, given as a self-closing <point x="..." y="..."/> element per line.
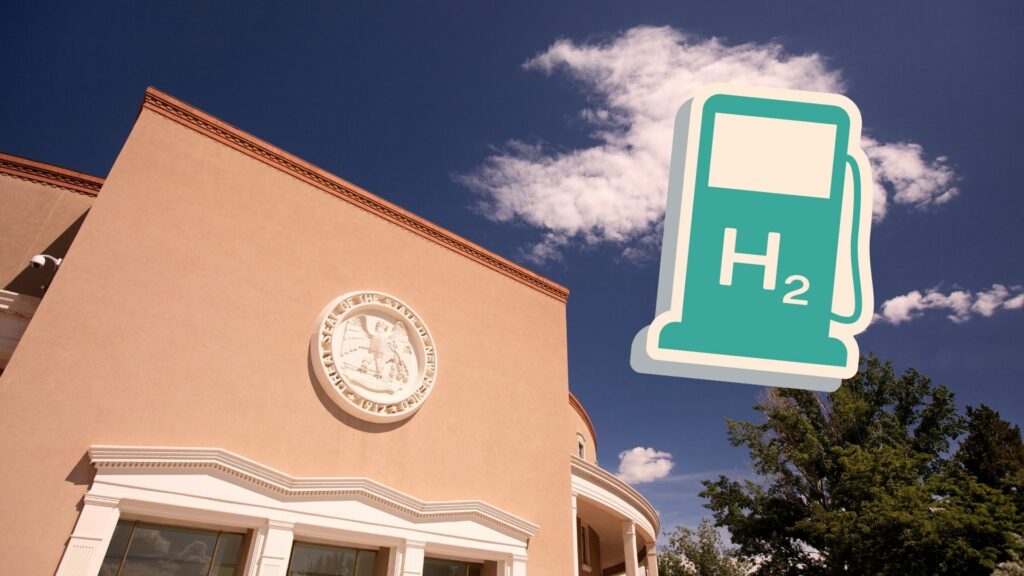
<point x="374" y="356"/>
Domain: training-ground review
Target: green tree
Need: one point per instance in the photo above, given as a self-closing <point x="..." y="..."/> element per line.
<point x="699" y="552"/>
<point x="993" y="451"/>
<point x="859" y="482"/>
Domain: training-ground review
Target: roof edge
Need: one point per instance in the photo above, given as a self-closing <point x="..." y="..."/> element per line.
<point x="214" y="128"/>
<point x="575" y="403"/>
<point x="49" y="175"/>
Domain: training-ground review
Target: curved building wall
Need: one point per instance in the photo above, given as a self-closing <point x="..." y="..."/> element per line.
<point x="182" y="316"/>
<point x="581" y="429"/>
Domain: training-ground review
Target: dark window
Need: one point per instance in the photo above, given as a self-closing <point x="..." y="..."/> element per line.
<point x="437" y="567"/>
<point x="142" y="549"/>
<point x="320" y="560"/>
<point x="583" y="542"/>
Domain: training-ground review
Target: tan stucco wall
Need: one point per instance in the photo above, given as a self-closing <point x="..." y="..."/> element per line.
<point x="35" y="219"/>
<point x="182" y="317"/>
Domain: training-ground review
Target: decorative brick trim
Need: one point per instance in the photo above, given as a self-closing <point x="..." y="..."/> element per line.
<point x="148" y="459"/>
<point x="250" y="145"/>
<point x="50" y="175"/>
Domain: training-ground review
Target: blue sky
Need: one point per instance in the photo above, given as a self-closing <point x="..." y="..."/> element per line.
<point x="539" y="131"/>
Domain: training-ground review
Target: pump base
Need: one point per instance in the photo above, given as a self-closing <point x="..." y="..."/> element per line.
<point x="706" y="366"/>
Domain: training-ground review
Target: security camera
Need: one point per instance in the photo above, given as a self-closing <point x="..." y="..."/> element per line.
<point x="39" y="260"/>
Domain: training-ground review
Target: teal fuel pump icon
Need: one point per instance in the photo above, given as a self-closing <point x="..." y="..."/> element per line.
<point x="765" y="274"/>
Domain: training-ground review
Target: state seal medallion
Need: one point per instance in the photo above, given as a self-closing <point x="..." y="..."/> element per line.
<point x="374" y="356"/>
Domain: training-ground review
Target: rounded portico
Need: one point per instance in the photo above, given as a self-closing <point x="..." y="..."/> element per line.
<point x="614" y="526"/>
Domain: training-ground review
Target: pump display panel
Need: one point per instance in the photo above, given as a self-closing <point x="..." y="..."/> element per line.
<point x="772" y="155"/>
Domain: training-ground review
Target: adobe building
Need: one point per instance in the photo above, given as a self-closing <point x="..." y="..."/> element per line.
<point x="222" y="360"/>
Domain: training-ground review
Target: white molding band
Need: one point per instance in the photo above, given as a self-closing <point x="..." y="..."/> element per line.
<point x="600" y="487"/>
<point x="215" y="487"/>
<point x="149" y="458"/>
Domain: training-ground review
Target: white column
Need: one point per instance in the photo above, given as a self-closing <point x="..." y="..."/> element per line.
<point x="574" y="540"/>
<point x="84" y="553"/>
<point x="629" y="547"/>
<point x="252" y="559"/>
<point x="518" y="565"/>
<point x="512" y="566"/>
<point x="394" y="560"/>
<point x="276" y="549"/>
<point x="408" y="558"/>
<point x="652" y="560"/>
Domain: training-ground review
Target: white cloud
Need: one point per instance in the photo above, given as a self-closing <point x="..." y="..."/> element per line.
<point x="959" y="305"/>
<point x="613" y="192"/>
<point x="1015" y="303"/>
<point x="149" y="541"/>
<point x="640" y="465"/>
<point x="902" y="171"/>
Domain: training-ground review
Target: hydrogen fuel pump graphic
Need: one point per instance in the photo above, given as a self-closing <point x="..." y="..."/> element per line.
<point x="765" y="274"/>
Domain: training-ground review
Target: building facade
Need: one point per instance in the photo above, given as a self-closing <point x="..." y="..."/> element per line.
<point x="221" y="359"/>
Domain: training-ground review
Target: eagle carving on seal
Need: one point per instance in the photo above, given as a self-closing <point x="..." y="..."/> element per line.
<point x="377" y="354"/>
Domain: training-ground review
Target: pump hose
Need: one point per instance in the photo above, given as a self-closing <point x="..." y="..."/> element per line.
<point x="858" y="297"/>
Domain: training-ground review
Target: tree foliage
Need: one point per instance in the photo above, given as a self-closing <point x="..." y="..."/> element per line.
<point x="993" y="451"/>
<point x="699" y="552"/>
<point x="860" y="481"/>
<point x="1012" y="567"/>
